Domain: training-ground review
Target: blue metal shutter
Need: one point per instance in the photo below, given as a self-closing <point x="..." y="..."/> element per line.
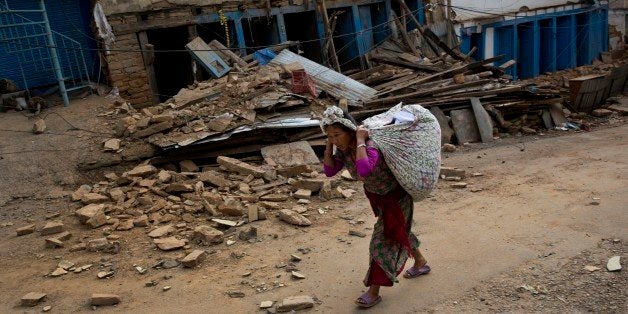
<point x="68" y="17"/>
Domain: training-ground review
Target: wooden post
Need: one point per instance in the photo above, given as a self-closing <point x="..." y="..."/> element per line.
<point x="196" y="74"/>
<point x="431" y="38"/>
<point x="323" y="11"/>
<point x="148" y="54"/>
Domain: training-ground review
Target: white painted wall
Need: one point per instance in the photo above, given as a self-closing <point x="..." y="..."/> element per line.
<point x="487" y="8"/>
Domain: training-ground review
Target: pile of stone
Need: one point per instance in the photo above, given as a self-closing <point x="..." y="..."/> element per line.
<point x="196" y="206"/>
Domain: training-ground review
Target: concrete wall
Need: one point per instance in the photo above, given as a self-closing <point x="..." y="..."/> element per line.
<point x="617" y="24"/>
<point x="471" y="9"/>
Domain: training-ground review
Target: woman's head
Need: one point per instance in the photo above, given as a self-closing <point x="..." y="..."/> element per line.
<point x="340" y="127"/>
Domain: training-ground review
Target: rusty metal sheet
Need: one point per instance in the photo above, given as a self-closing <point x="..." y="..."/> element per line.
<point x="332" y="82"/>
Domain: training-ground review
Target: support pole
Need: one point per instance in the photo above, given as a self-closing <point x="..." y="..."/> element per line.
<point x="53" y="54"/>
<point x="328" y="34"/>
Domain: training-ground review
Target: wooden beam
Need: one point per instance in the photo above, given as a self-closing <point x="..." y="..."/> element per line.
<point x="323" y="11"/>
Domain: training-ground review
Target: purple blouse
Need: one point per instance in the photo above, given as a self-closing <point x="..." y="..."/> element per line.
<point x="364" y="166"/>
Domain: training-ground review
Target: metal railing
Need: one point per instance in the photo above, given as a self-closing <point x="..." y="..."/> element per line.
<point x="41" y="52"/>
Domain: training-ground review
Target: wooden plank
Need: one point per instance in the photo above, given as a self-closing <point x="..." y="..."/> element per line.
<point x="364" y="74"/>
<point x="556" y="111"/>
<point x="422" y="93"/>
<point x="148" y="54"/>
<point x="483" y="120"/>
<point x="232" y="56"/>
<point x="405" y="64"/>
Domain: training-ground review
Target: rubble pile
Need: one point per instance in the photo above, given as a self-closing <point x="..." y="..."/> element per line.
<point x="196" y="206"/>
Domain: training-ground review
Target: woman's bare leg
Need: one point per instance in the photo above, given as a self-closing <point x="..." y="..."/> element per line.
<point x="419" y="260"/>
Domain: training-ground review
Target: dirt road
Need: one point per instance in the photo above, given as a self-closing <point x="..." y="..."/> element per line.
<point x="532" y="224"/>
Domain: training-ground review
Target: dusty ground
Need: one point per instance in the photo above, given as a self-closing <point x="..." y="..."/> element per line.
<point x="532" y="224"/>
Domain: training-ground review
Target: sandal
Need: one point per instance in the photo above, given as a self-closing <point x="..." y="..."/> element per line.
<point x="414" y="272"/>
<point x="367" y="300"/>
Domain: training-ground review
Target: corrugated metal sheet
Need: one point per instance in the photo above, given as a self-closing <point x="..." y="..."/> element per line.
<point x="332" y="82"/>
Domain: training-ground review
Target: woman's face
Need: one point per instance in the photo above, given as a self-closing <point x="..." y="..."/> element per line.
<point x="339" y="137"/>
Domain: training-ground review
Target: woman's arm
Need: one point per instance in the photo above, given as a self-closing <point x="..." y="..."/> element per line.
<point x="331" y="165"/>
<point x="365" y="166"/>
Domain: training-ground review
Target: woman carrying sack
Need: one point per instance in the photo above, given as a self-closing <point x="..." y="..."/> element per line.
<point x="392" y="241"/>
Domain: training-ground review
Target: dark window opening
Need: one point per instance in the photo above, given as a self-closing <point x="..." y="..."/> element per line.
<point x="302" y="27"/>
<point x="260" y="32"/>
<point x="173" y="70"/>
<point x="345" y="39"/>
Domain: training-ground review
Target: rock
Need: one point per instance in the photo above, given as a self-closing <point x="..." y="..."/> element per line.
<point x="302" y="194"/>
<point x="78" y="194"/>
<point x="293" y="218"/>
<point x="297" y="275"/>
<point x="459" y="185"/>
<point x="179" y="188"/>
<point x="274" y="198"/>
<point x="58" y="272"/>
<point x="99" y="299"/>
<point x="142" y="171"/>
<point x="295" y="303"/>
<point x="96" y="245"/>
<point x="614" y="263"/>
<point x="236" y="294"/>
<point x="253" y="212"/>
<point x="299" y="209"/>
<point x="452" y="178"/>
<point x="126" y="225"/>
<point x="449" y="148"/>
<point x="293" y="171"/>
<point x="214" y="178"/>
<point x="326" y="192"/>
<point x="313" y="185"/>
<point x="166" y="288"/>
<point x="231" y="207"/>
<point x="87" y="212"/>
<point x="94" y="198"/>
<point x="356" y="233"/>
<point x="601" y="112"/>
<point x="99" y="219"/>
<point x="234" y="165"/>
<point x="46" y="308"/>
<point x="251" y="233"/>
<point x="25" y="230"/>
<point x="265" y="304"/>
<point x="141" y="221"/>
<point x="117" y="194"/>
<point x="452" y="172"/>
<point x="78" y="247"/>
<point x="32" y="298"/>
<point x="169" y="244"/>
<point x="207" y="235"/>
<point x="194" y="259"/>
<point x="225" y="222"/>
<point x="52" y="228"/>
<point x="159" y="118"/>
<point x="230" y="242"/>
<point x="345" y="174"/>
<point x="346" y="193"/>
<point x="112" y="144"/>
<point x="619" y="108"/>
<point x="270" y="205"/>
<point x="188" y="166"/>
<point x="39" y="126"/>
<point x="164" y="176"/>
<point x="53" y="243"/>
<point x="65" y="265"/>
<point x="155" y="128"/>
<point x="295" y="258"/>
<point x="244" y="188"/>
<point x="476" y="189"/>
<point x="291" y="154"/>
<point x="105" y="274"/>
<point x="161" y="231"/>
<point x="591" y="268"/>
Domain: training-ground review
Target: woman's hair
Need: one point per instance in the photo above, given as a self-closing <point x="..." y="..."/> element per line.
<point x="347" y="116"/>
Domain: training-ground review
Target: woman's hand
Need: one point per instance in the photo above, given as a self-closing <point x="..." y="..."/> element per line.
<point x="361" y="134"/>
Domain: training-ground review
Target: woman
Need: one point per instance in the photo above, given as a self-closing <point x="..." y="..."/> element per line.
<point x="392" y="241"/>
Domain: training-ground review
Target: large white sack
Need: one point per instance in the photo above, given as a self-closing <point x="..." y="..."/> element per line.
<point x="411" y="149"/>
